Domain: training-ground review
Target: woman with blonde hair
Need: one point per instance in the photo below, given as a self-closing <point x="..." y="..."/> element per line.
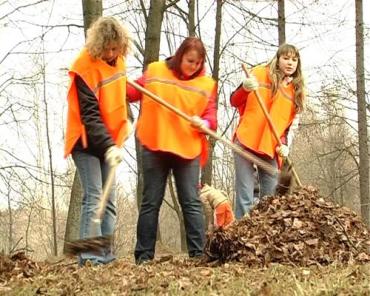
<point x="97" y="124"/>
<point x="280" y="85"/>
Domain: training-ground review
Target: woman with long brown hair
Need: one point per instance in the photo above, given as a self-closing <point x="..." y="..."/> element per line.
<point x="280" y="85"/>
<point x="170" y="143"/>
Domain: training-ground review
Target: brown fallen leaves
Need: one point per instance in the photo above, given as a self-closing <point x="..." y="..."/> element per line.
<point x="300" y="229"/>
<point x="16" y="265"/>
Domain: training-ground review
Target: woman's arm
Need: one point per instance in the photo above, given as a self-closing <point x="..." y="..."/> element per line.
<point x="288" y="136"/>
<point x="97" y="134"/>
<point x="238" y="99"/>
<point x="132" y="93"/>
<point x="210" y="113"/>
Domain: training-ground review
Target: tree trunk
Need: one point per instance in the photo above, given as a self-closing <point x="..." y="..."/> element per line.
<point x="153" y="31"/>
<point x="281" y="21"/>
<point x="281" y="39"/>
<point x="92" y="9"/>
<point x="180" y="216"/>
<point x="74" y="212"/>
<point x="191" y="18"/>
<point x="361" y="109"/>
<point x="50" y="154"/>
<point x="207" y="170"/>
<point x="151" y="54"/>
<point x="10" y="236"/>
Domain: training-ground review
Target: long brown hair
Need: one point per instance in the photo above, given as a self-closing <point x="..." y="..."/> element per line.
<point x="277" y="76"/>
<point x="190" y="43"/>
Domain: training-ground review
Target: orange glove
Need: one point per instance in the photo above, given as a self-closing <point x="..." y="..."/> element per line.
<point x="224" y="215"/>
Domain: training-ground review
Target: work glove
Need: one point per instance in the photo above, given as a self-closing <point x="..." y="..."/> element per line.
<point x="282" y="150"/>
<point x="250" y="83"/>
<point x="198" y="122"/>
<point x="223" y="214"/>
<point x="113" y="156"/>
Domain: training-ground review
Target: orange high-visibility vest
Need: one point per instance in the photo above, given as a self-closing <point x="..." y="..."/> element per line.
<point x="254" y="131"/>
<point x="160" y="129"/>
<point x="108" y="83"/>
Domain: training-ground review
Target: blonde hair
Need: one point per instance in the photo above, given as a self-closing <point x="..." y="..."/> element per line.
<point x="103" y="31"/>
<point x="277" y="76"/>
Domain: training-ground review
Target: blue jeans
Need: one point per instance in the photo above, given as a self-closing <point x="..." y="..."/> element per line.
<point x="93" y="173"/>
<point x="245" y="181"/>
<point x="156" y="168"/>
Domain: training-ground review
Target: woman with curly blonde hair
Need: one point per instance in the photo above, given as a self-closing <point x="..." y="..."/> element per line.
<point x="102" y="32"/>
<point x="97" y="124"/>
<point x="280" y="85"/>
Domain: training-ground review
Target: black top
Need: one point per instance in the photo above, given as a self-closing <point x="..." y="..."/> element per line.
<point x="98" y="137"/>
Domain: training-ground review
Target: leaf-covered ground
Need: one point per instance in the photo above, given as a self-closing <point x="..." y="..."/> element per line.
<point x="178" y="275"/>
<point x="298" y="244"/>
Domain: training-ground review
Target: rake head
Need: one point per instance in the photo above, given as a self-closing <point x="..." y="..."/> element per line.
<point x="92" y="244"/>
<point x="284" y="182"/>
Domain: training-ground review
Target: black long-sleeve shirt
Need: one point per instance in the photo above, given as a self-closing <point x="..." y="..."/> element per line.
<point x="98" y="137"/>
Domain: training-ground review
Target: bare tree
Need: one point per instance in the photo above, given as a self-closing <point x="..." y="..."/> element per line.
<point x="361" y="111"/>
<point x="92" y="9"/>
<point x="153" y="30"/>
<point x="208" y="169"/>
<point x="10" y="233"/>
<point x="50" y="154"/>
<point x="281" y="21"/>
<point x="191" y="17"/>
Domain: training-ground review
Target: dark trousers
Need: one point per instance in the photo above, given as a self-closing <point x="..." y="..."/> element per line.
<point x="156" y="168"/>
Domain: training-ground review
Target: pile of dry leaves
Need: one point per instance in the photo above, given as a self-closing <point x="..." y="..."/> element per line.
<point x="16" y="265"/>
<point x="300" y="229"/>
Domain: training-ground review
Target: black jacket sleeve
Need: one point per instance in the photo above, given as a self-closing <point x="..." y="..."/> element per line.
<point x="98" y="137"/>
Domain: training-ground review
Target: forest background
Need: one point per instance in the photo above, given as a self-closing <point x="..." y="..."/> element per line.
<point x="39" y="40"/>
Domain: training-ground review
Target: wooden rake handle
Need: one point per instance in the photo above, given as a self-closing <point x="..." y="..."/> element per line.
<point x="105" y="194"/>
<point x="251" y="157"/>
<point x="272" y="126"/>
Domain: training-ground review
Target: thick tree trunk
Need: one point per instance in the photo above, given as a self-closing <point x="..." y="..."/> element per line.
<point x="153" y="31"/>
<point x="92" y="9"/>
<point x="151" y="54"/>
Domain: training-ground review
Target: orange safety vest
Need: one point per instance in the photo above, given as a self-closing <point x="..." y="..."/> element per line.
<point x="108" y="83"/>
<point x="159" y="128"/>
<point x="254" y="131"/>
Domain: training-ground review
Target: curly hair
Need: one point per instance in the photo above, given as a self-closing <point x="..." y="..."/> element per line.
<point x="277" y="75"/>
<point x="103" y="31"/>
